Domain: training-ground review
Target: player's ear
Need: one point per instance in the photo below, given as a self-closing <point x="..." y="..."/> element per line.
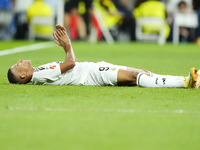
<point x="23" y="75"/>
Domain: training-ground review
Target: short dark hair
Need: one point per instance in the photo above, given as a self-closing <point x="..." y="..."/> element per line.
<point x="11" y="77"/>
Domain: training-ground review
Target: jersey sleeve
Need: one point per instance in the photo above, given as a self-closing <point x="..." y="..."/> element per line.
<point x="46" y="73"/>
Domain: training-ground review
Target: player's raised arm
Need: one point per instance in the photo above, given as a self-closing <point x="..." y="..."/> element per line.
<point x="62" y="39"/>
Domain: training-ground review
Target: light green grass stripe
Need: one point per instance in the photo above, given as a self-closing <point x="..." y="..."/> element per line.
<point x="93" y="110"/>
<point x="27" y="48"/>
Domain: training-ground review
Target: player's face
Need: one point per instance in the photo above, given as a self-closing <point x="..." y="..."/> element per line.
<point x="21" y="66"/>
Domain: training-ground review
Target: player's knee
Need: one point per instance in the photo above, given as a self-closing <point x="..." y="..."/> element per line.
<point x="129" y="79"/>
<point x="146" y="72"/>
<point x="135" y="74"/>
<point x="134" y="77"/>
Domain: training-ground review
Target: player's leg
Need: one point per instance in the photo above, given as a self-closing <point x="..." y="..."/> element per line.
<point x="139" y="77"/>
<point x="124" y="76"/>
<point x="133" y="77"/>
<point x="139" y="70"/>
<point x="151" y="74"/>
<point x="127" y="77"/>
<point x="167" y="81"/>
<point x="147" y="81"/>
<point x="185" y="79"/>
<point x="161" y="75"/>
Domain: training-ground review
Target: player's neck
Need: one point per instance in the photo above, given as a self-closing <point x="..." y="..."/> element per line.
<point x="30" y="73"/>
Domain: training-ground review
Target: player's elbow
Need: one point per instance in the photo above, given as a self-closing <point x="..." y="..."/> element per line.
<point x="72" y="64"/>
<point x="67" y="65"/>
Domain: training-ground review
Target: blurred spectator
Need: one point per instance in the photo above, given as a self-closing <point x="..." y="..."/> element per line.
<point x="183" y="8"/>
<point x="151" y="8"/>
<point x="6" y="18"/>
<point x="171" y="5"/>
<point x="20" y="18"/>
<point x="180" y="10"/>
<point x="40" y="9"/>
<point x="121" y="20"/>
<point x="78" y="17"/>
<point x="171" y="8"/>
<point x="196" y="6"/>
<point x="128" y="25"/>
<point x="183" y="31"/>
<point x="74" y="22"/>
<point x="123" y="7"/>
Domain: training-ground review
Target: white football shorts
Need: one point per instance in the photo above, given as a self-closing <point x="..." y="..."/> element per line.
<point x="102" y="73"/>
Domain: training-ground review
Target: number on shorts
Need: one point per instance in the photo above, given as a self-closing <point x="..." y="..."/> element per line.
<point x="103" y="68"/>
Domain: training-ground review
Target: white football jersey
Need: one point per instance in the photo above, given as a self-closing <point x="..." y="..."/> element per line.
<point x="84" y="73"/>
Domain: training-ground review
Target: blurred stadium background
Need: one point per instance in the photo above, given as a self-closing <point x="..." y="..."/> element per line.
<point x="102" y="20"/>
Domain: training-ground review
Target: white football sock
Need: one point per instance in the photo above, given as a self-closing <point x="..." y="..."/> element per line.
<point x="162" y="76"/>
<point x="161" y="81"/>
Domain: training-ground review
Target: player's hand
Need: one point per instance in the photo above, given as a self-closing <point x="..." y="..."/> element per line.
<point x="60" y="27"/>
<point x="61" y="37"/>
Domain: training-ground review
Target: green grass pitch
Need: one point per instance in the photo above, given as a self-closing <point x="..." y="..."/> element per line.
<point x="102" y="118"/>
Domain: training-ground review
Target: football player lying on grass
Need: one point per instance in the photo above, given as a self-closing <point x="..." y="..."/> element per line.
<point x="72" y="72"/>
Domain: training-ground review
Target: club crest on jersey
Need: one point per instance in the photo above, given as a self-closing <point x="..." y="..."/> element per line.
<point x="112" y="69"/>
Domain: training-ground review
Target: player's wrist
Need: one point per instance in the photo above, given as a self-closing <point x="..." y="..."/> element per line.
<point x="67" y="47"/>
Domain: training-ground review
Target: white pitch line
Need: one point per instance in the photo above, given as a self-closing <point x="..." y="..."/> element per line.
<point x="135" y="111"/>
<point x="26" y="48"/>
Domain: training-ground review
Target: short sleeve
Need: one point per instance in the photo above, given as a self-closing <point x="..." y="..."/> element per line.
<point x="46" y="73"/>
